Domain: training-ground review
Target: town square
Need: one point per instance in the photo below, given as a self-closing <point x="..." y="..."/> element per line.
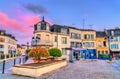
<point x="66" y="39"/>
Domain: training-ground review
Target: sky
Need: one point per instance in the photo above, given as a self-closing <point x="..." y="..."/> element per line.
<point x="18" y="17"/>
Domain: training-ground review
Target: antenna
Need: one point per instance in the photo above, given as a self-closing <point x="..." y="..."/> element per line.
<point x="91" y="26"/>
<point x="83" y="23"/>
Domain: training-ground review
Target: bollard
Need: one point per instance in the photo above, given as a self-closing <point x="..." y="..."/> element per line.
<point x="0" y="56"/>
<point x="23" y="60"/>
<point x="3" y="69"/>
<point x="19" y="60"/>
<point x="14" y="61"/>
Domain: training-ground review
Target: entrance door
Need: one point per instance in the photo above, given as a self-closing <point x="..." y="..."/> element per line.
<point x="76" y="55"/>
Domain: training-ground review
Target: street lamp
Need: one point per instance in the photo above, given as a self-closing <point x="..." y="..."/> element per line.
<point x="27" y="45"/>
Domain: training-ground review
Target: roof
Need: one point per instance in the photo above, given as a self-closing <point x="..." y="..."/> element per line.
<point x="5" y="34"/>
<point x="81" y="29"/>
<point x="100" y="34"/>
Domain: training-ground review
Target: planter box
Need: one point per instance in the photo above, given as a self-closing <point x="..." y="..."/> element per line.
<point x="33" y="71"/>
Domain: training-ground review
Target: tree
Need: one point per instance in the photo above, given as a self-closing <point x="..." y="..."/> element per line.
<point x="43" y="52"/>
<point x="37" y="53"/>
<point x="55" y="52"/>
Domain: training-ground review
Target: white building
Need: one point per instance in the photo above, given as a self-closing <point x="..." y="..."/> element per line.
<point x="8" y="43"/>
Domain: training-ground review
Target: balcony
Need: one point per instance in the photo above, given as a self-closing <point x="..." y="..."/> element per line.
<point x="41" y="42"/>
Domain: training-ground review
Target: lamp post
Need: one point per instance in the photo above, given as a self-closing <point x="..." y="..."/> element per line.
<point x="27" y="45"/>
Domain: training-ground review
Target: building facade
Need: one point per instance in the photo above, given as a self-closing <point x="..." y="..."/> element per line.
<point x="89" y="43"/>
<point x="8" y="43"/>
<point x="102" y="44"/>
<point x="114" y="39"/>
<point x="54" y="36"/>
<point x="64" y="38"/>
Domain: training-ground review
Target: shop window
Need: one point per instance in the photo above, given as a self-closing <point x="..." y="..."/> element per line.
<point x="106" y="52"/>
<point x="102" y="52"/>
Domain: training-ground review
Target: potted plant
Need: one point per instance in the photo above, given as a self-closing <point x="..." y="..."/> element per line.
<point x="55" y="53"/>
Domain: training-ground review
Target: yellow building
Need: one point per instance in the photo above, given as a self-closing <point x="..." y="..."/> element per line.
<point x="89" y="42"/>
<point x="102" y="44"/>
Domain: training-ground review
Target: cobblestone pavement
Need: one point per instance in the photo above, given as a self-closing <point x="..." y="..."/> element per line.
<point x="116" y="64"/>
<point x="78" y="70"/>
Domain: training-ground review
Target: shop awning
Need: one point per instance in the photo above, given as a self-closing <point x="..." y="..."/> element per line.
<point x="76" y="48"/>
<point x="79" y="49"/>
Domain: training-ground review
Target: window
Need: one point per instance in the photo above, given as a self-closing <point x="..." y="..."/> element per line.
<point x="112" y="33"/>
<point x="1" y="46"/>
<point x="38" y="35"/>
<point x="75" y="35"/>
<point x="64" y="52"/>
<point x="72" y="44"/>
<point x="64" y="40"/>
<point x="43" y="25"/>
<point x="38" y="27"/>
<point x="89" y="37"/>
<point x="99" y="44"/>
<point x="71" y="35"/>
<point x="104" y="43"/>
<point x="98" y="52"/>
<point x="102" y="52"/>
<point x="114" y="46"/>
<point x="80" y="45"/>
<point x="35" y="27"/>
<point x="64" y="30"/>
<point x="2" y="40"/>
<point x="48" y="28"/>
<point x="55" y="39"/>
<point x="92" y="44"/>
<point x="47" y="38"/>
<point x="106" y="52"/>
<point x="85" y="36"/>
<point x="77" y="44"/>
<point x="117" y="47"/>
<point x="92" y="37"/>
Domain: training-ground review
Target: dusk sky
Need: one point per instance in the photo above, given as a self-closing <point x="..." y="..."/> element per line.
<point x="18" y="16"/>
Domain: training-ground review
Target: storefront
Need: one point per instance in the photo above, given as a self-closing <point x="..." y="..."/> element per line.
<point x="77" y="53"/>
<point x="115" y="54"/>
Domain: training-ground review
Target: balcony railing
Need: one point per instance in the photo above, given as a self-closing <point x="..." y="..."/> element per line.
<point x="42" y="42"/>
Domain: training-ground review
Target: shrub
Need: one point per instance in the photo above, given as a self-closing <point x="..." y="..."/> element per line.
<point x="37" y="53"/>
<point x="104" y="56"/>
<point x="55" y="52"/>
<point x="27" y="51"/>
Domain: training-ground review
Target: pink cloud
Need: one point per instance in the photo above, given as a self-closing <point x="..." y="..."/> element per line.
<point x="19" y="25"/>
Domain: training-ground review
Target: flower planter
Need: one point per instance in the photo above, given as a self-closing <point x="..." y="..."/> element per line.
<point x="35" y="60"/>
<point x="36" y="71"/>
